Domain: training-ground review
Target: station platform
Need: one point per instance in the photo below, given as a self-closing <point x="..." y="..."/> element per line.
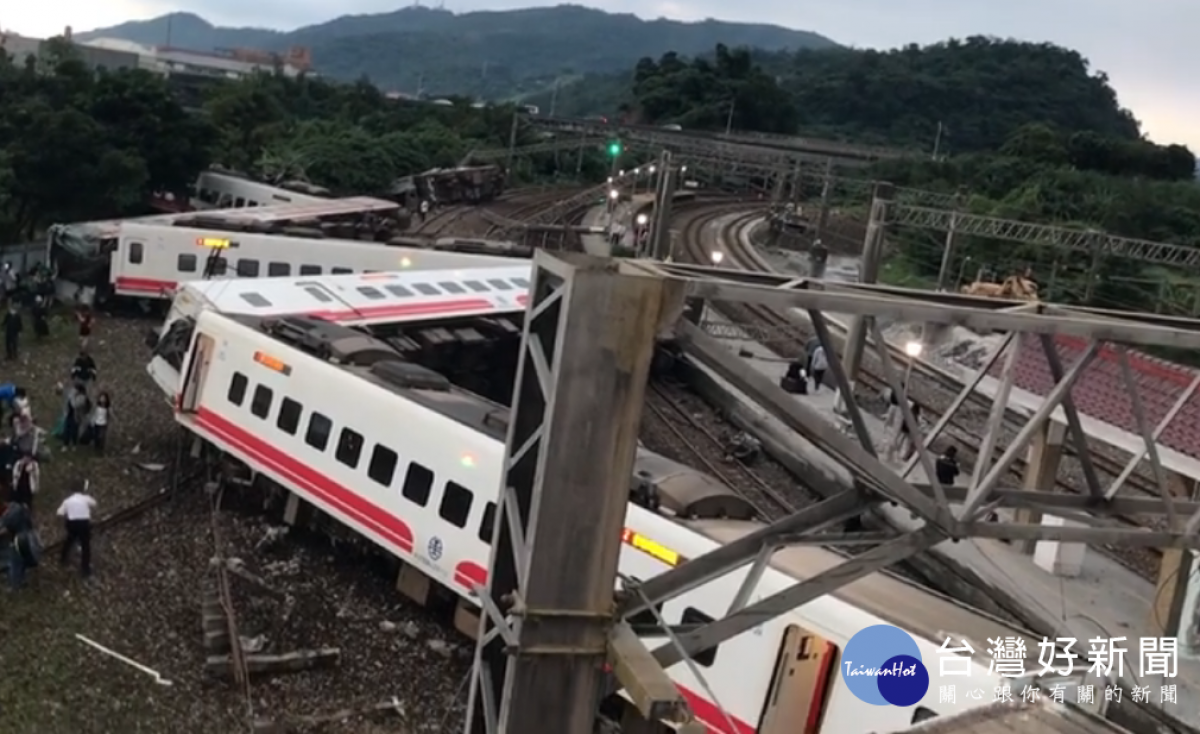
<point x="597" y="242"/>
<point x="1105" y="600"/>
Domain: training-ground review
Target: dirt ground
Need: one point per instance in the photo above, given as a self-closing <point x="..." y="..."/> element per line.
<point x="144" y="601"/>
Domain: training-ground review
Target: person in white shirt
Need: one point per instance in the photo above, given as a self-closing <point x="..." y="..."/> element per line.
<point x="76" y="512"/>
<point x="101" y="415"/>
<point x="820" y="363"/>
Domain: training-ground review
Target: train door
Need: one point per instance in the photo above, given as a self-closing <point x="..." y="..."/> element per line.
<point x="193" y="382"/>
<point x="799" y="686"/>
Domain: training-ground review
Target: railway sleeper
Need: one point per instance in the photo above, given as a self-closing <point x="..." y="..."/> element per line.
<point x="261" y="493"/>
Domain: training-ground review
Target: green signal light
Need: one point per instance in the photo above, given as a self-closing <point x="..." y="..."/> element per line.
<point x="614" y="149"/>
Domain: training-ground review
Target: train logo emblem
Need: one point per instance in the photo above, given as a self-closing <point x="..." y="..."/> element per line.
<point x="435" y="548"/>
<point x="882" y="666"/>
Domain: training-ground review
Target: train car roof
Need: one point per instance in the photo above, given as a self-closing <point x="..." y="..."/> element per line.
<point x="899" y="602"/>
<point x="273" y="213"/>
<point x="373" y="297"/>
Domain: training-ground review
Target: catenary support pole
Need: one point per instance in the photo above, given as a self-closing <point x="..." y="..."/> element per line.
<point x="571" y="444"/>
<point x="868" y="273"/>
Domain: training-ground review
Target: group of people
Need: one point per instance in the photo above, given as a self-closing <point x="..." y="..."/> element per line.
<point x="807" y="375"/>
<point x="85" y="418"/>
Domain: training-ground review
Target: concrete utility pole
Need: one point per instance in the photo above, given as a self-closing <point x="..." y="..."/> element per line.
<point x="826" y="190"/>
<point x="547" y="626"/>
<point x="951" y="234"/>
<point x="868" y="274"/>
<point x="660" y="241"/>
<point x="512" y="143"/>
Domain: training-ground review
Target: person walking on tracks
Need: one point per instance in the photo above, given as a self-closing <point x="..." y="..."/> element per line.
<point x="76" y="512"/>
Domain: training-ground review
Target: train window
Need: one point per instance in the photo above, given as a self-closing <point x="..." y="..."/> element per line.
<point x="219" y="265"/>
<point x="349" y="448"/>
<point x="398" y="291"/>
<point x="487" y="524"/>
<point x="341" y="271"/>
<point x="247" y="268"/>
<point x="500" y="285"/>
<point x="456" y="504"/>
<point x="418" y="482"/>
<point x="256" y="300"/>
<point x="260" y="404"/>
<point x="923" y="714"/>
<point x="237" y="388"/>
<point x="289" y="416"/>
<point x="278" y="270"/>
<point x="372" y="293"/>
<point x="310" y="269"/>
<point x="319" y="428"/>
<point x="383" y="464"/>
<point x="692" y="615"/>
<point x="239" y="202"/>
<point x="476" y="286"/>
<point x="451" y="287"/>
<point x="318" y="294"/>
<point x="186" y="263"/>
<point x="136" y="252"/>
<point x="521" y="282"/>
<point x="426" y="289"/>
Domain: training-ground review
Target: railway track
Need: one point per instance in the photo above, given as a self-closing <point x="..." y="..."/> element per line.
<point x="684" y="428"/>
<point x="724" y="229"/>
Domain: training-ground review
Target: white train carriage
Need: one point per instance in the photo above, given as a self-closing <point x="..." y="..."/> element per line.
<point x="360" y="300"/>
<point x="217" y="189"/>
<point x="91" y="256"/>
<point x="152" y="260"/>
<point x="397" y="454"/>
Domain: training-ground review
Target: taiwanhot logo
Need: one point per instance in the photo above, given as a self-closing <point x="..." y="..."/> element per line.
<point x="882" y="666"/>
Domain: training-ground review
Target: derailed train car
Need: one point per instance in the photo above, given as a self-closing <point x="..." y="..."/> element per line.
<point x="461" y="185"/>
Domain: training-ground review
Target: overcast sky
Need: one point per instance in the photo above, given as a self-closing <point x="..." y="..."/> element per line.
<point x="1148" y="50"/>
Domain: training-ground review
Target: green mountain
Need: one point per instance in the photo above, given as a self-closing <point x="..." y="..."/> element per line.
<point x="481" y="54"/>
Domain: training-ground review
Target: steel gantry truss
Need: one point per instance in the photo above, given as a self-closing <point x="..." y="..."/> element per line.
<point x="550" y="611"/>
<point x="1089" y="242"/>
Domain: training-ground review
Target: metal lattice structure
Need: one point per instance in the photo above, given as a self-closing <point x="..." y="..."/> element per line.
<point x="587" y="341"/>
<point x="1090" y="242"/>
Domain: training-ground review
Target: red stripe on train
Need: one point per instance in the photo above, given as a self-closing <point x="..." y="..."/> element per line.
<point x="382" y="522"/>
<point x="144" y="285"/>
<point x="308" y="480"/>
<point x="412" y="309"/>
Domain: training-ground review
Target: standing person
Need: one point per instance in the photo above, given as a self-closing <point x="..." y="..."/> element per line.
<point x="16" y="533"/>
<point x="101" y="414"/>
<point x="41" y="323"/>
<point x="12" y="330"/>
<point x="84" y="369"/>
<point x="820" y="363"/>
<point x="902" y="442"/>
<point x="947" y="467"/>
<point x="26" y="475"/>
<point x="810" y="347"/>
<point x="87" y="320"/>
<point x="894" y="414"/>
<point x="76" y="512"/>
<point x="77" y="413"/>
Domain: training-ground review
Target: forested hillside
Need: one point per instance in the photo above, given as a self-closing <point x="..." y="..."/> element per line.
<point x="78" y="145"/>
<point x="1027" y="132"/>
<point x="488" y="55"/>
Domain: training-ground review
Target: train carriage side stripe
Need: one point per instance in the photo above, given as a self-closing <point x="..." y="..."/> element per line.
<point x="389" y="526"/>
